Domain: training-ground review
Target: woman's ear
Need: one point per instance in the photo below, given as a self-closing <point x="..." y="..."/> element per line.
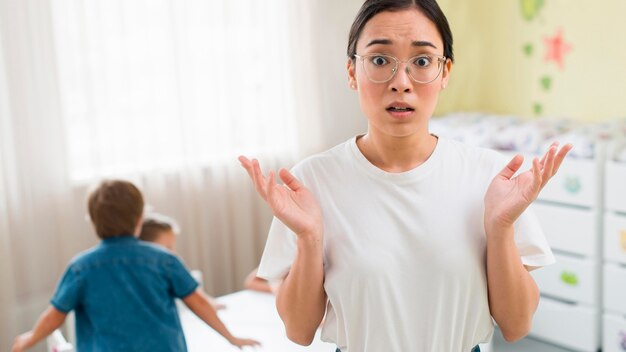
<point x="445" y="75"/>
<point x="351" y="74"/>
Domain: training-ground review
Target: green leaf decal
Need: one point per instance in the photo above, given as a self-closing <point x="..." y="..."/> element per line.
<point x="531" y="8"/>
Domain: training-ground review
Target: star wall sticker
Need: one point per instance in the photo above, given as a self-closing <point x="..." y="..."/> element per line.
<point x="556" y="49"/>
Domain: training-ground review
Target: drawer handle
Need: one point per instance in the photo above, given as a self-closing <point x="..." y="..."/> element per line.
<point x="569" y="278"/>
<point x="623" y="239"/>
<point x="572" y="184"/>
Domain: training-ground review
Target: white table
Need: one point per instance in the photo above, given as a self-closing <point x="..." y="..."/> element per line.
<point x="248" y="314"/>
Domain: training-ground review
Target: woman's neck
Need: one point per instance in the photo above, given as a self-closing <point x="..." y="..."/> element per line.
<point x="397" y="154"/>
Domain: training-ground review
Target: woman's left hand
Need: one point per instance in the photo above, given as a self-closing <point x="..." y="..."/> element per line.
<point x="507" y="197"/>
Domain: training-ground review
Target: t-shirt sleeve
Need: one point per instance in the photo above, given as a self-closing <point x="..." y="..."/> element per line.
<point x="68" y="291"/>
<point x="531" y="241"/>
<point x="183" y="284"/>
<point x="279" y="253"/>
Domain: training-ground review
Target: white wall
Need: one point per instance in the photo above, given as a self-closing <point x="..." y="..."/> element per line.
<point x="340" y="112"/>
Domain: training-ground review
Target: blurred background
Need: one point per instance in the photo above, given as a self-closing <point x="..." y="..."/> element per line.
<point x="168" y="93"/>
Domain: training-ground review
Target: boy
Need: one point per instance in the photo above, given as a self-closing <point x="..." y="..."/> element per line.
<point x="123" y="290"/>
<point x="162" y="230"/>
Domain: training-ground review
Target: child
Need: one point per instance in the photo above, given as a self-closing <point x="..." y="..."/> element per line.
<point x="123" y="290"/>
<point x="162" y="230"/>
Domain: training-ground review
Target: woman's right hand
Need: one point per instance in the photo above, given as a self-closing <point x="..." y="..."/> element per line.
<point x="291" y="203"/>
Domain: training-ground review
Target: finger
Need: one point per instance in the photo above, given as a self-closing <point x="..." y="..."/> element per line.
<point x="537" y="181"/>
<point x="548" y="166"/>
<point x="259" y="179"/>
<point x="511" y="168"/>
<point x="560" y="156"/>
<point x="543" y="159"/>
<point x="246" y="164"/>
<point x="289" y="180"/>
<point x="269" y="185"/>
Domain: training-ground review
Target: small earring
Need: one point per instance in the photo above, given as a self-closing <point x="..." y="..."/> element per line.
<point x="353" y="86"/>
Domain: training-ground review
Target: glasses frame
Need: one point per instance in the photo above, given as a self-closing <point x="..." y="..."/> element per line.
<point x="442" y="61"/>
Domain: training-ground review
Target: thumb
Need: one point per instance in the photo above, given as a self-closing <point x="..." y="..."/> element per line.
<point x="290" y="180"/>
<point x="511" y="168"/>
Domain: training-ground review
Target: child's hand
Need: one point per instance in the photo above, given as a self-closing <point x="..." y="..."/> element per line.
<point x="244" y="342"/>
<point x="215" y="304"/>
<point x="22" y="342"/>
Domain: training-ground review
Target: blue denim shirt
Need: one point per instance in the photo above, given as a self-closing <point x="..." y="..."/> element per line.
<point x="123" y="294"/>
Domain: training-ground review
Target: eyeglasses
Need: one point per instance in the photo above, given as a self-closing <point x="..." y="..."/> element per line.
<point x="424" y="68"/>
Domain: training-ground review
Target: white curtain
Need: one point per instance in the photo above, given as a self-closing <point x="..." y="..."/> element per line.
<point x="163" y="93"/>
<point x="7" y="293"/>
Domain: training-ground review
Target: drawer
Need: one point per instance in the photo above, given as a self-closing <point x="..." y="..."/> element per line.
<point x="575" y="183"/>
<point x="568" y="229"/>
<point x="615" y="186"/>
<point x="571" y="279"/>
<point x="614" y="333"/>
<point x="615" y="288"/>
<point x="572" y="326"/>
<point x="615" y="237"/>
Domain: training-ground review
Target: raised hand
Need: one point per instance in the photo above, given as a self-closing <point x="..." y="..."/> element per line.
<point x="507" y="197"/>
<point x="292" y="203"/>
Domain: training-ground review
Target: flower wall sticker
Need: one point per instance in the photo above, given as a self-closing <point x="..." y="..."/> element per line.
<point x="556" y="49"/>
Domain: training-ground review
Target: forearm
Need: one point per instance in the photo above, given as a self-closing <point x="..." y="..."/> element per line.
<point x="301" y="299"/>
<point x="252" y="282"/>
<point x="50" y="320"/>
<point x="513" y="294"/>
<point x="199" y="304"/>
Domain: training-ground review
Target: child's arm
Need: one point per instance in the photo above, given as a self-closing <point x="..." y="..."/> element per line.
<point x="255" y="283"/>
<point x="199" y="303"/>
<point x="50" y="320"/>
<point x="216" y="305"/>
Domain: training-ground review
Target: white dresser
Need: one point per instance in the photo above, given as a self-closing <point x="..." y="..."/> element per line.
<point x="570" y="212"/>
<point x="614" y="293"/>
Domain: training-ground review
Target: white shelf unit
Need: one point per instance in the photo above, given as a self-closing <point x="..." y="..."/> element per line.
<point x="570" y="210"/>
<point x="614" y="293"/>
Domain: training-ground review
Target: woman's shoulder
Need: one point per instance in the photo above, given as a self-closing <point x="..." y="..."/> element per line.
<point x="329" y="160"/>
<point x="472" y="151"/>
<point x="486" y="159"/>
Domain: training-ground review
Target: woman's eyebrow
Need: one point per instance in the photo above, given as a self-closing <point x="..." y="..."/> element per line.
<point x="423" y="43"/>
<point x="379" y="41"/>
<point x="418" y="43"/>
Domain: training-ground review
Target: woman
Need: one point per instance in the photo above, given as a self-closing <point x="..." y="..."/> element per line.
<point x="406" y="241"/>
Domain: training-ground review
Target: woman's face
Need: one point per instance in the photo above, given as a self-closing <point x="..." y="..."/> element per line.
<point x="403" y="35"/>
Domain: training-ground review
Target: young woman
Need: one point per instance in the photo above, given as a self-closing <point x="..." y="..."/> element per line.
<point x="405" y="241"/>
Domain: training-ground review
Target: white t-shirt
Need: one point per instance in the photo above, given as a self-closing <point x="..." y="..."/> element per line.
<point x="404" y="253"/>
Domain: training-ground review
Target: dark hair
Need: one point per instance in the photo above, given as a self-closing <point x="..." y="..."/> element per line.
<point x="115" y="208"/>
<point x="151" y="229"/>
<point x="429" y="8"/>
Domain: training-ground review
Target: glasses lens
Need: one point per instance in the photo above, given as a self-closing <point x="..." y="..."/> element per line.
<point x="425" y="68"/>
<point x="379" y="68"/>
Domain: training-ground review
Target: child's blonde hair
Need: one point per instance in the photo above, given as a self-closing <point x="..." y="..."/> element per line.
<point x="154" y="224"/>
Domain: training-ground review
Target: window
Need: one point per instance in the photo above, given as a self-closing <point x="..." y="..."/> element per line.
<point x="158" y="84"/>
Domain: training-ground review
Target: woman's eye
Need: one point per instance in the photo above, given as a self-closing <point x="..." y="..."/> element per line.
<point x="379" y="60"/>
<point x="422" y="61"/>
